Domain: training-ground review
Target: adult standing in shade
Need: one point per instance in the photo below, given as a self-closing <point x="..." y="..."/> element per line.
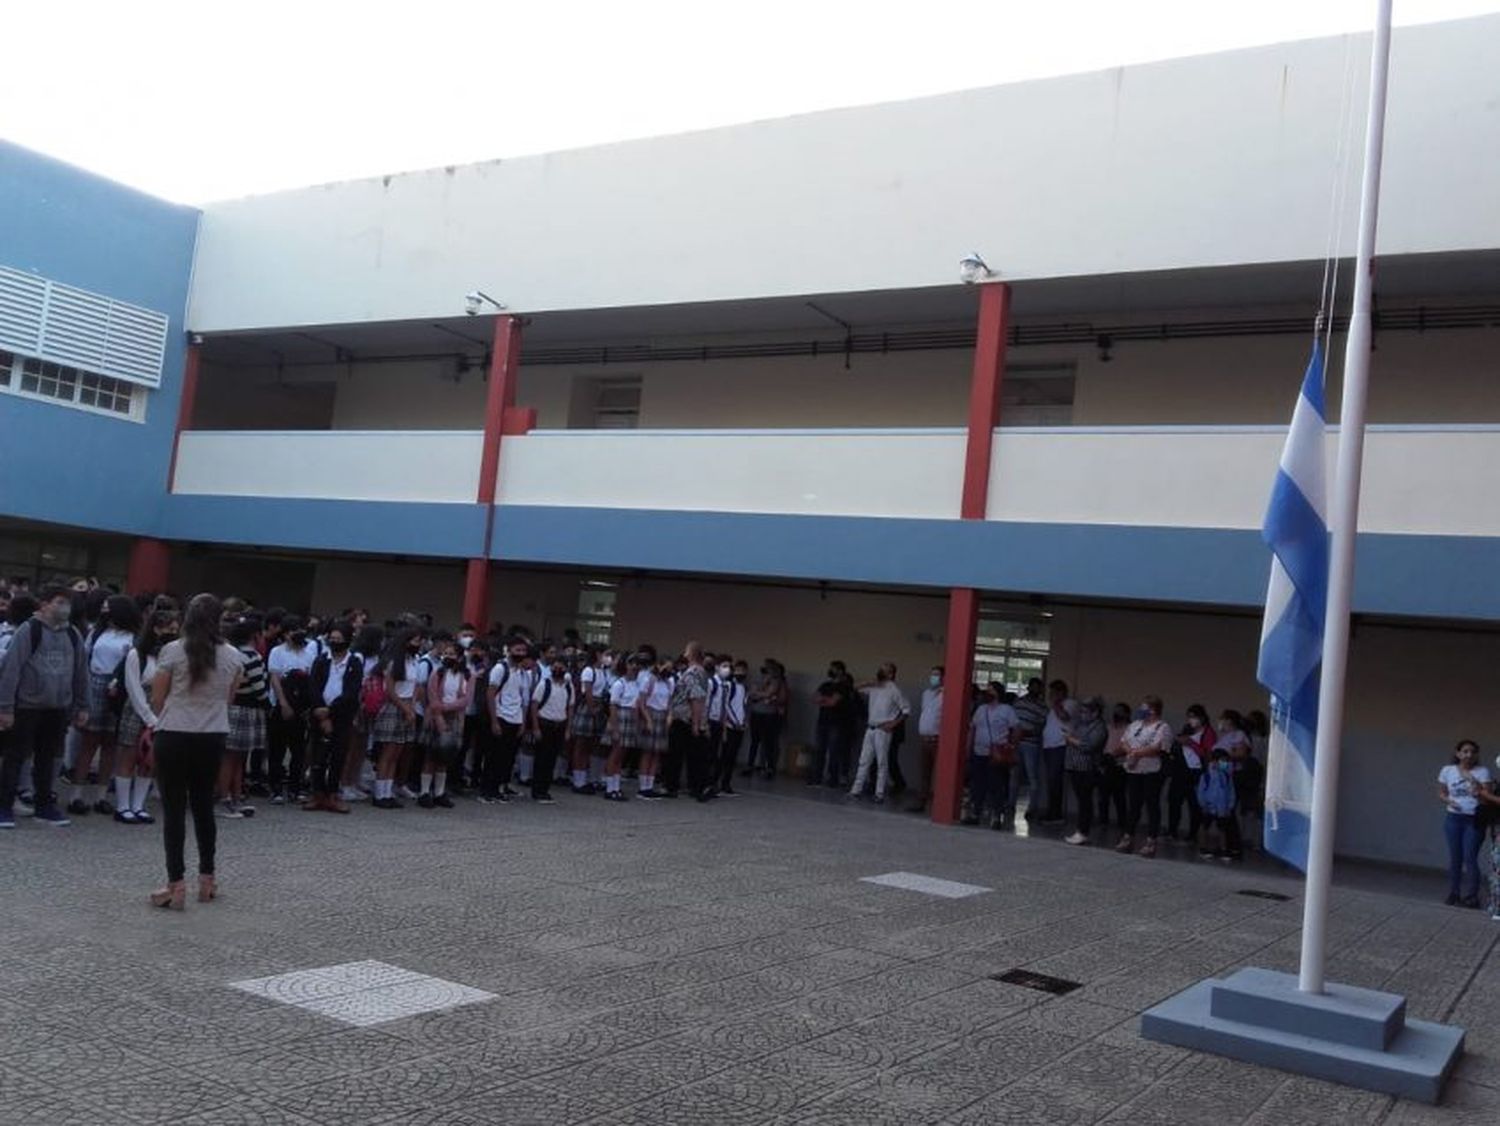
<point x="1463" y="787"/>
<point x="196" y="676"/>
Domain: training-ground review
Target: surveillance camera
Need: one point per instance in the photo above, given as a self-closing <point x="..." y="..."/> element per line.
<point x="195" y="338"/>
<point x="472" y="301"/>
<point x="972" y="268"/>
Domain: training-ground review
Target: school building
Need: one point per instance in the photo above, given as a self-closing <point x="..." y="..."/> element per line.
<point x="739" y="391"/>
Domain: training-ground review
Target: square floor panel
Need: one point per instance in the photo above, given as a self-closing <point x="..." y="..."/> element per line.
<point x="363" y="993"/>
<point x="928" y="885"/>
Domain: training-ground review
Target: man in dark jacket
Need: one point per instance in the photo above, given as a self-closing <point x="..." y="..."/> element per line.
<point x="337" y="677"/>
<point x="43" y="684"/>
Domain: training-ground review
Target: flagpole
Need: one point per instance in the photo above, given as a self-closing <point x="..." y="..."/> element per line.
<point x="1345" y="524"/>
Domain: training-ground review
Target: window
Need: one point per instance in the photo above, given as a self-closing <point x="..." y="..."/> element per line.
<point x="617" y="403"/>
<point x="595" y="619"/>
<point x="1011" y="652"/>
<point x="1037" y="395"/>
<point x="42" y="379"/>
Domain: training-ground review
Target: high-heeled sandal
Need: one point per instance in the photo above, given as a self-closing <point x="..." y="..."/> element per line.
<point x="173" y="897"/>
<point x="208" y="889"/>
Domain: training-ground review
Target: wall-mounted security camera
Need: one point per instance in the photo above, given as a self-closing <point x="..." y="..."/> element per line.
<point x="973" y="269"/>
<point x="476" y="299"/>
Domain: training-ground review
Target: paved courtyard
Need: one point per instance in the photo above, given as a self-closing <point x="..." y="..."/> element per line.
<point x="669" y="963"/>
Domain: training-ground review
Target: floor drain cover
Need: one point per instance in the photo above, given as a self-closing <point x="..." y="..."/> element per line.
<point x="1041" y="982"/>
<point x="1275" y="896"/>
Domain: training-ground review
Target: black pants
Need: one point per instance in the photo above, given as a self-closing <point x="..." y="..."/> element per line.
<point x="831" y="754"/>
<point x="500" y="763"/>
<point x="329" y="753"/>
<point x="1234" y="844"/>
<point x="1143" y="791"/>
<point x="729" y="754"/>
<point x="765" y="741"/>
<point x="1053" y="762"/>
<point x="1083" y="797"/>
<point x="1111" y="791"/>
<point x="1182" y="790"/>
<point x="38" y="732"/>
<point x="187" y="770"/>
<point x="470" y="764"/>
<point x="288" y="740"/>
<point x="679" y="752"/>
<point x="898" y="740"/>
<point x="700" y="764"/>
<point x="548" y="747"/>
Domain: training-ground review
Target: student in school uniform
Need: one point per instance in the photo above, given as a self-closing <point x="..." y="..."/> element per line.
<point x="551" y="710"/>
<point x="726" y="720"/>
<point x="138" y="721"/>
<point x="247" y="719"/>
<point x="620" y="730"/>
<point x="112" y="637"/>
<point x="396" y="722"/>
<point x="474" y="741"/>
<point x="290" y="665"/>
<point x="450" y="690"/>
<point x="588" y="720"/>
<point x="338" y="676"/>
<point x="653" y="708"/>
<point x="507" y="699"/>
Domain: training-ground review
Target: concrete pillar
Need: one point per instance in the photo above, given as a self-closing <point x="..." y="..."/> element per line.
<point x="500" y="418"/>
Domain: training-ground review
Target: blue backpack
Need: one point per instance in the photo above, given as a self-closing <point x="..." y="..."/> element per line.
<point x="1216" y="791"/>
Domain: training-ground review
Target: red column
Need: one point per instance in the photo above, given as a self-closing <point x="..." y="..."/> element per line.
<point x="500" y="418"/>
<point x="185" y="404"/>
<point x="963" y="602"/>
<point x="149" y="568"/>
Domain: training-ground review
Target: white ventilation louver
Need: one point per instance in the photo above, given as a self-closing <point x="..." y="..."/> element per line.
<point x="52" y="321"/>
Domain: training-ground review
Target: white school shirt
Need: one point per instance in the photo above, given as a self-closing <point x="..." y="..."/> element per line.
<point x="514" y="691"/>
<point x="624" y="693"/>
<point x="282" y="660"/>
<point x="451" y="687"/>
<point x="718" y="688"/>
<point x="423" y="666"/>
<point x="109" y="650"/>
<point x="659" y="694"/>
<point x="734" y="695"/>
<point x="930" y="721"/>
<point x="552" y="702"/>
<point x="406" y="688"/>
<point x="136" y="680"/>
<point x="1461" y="791"/>
<point x="334" y="688"/>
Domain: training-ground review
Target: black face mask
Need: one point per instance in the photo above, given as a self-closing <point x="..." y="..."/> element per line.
<point x="452" y="662"/>
<point x="338" y="646"/>
<point x="297" y="636"/>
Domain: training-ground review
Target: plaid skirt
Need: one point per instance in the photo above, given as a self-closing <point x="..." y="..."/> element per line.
<point x="131" y="727"/>
<point x="652" y="738"/>
<point x="588" y="723"/>
<point x="391" y="726"/>
<point x="102" y="718"/>
<point x="247" y="730"/>
<point x="625" y="726"/>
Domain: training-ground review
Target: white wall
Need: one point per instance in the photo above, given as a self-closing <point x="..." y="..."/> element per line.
<point x="1213" y="160"/>
<point x="411" y="465"/>
<point x="1438" y="481"/>
<point x="822" y="473"/>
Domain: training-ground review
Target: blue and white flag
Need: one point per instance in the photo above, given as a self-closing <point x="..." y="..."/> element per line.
<point x="1291" y="638"/>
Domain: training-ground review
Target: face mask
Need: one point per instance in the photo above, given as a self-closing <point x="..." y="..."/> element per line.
<point x="452" y="662"/>
<point x="297" y="636"/>
<point x="465" y="641"/>
<point x="934" y="681"/>
<point x="880" y="676"/>
<point x="724" y="672"/>
<point x="557" y="673"/>
<point x="62" y="612"/>
<point x="339" y="646"/>
<point x="1143" y="713"/>
<point x="741" y="677"/>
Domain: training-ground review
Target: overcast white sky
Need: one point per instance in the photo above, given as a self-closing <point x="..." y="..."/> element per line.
<point x="207" y="100"/>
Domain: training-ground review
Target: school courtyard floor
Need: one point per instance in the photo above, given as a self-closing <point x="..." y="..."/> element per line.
<point x="670" y="963"/>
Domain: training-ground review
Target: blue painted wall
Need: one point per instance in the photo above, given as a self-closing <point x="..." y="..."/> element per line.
<point x="70" y="466"/>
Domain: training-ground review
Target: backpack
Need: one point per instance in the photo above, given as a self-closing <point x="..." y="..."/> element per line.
<point x="116" y="694"/>
<point x="297" y="686"/>
<point x="372" y="694"/>
<point x="1216" y="792"/>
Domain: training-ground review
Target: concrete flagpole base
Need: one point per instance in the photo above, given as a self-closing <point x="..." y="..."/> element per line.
<point x="1358" y="1037"/>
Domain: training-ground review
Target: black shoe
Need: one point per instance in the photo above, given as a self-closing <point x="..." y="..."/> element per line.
<point x="544" y="799"/>
<point x="708" y="793"/>
<point x="670" y="794"/>
<point x="78" y="807"/>
<point x="388" y="803"/>
<point x="65" y="775"/>
<point x="425" y="801"/>
<point x="726" y="790"/>
<point x="1451" y="901"/>
<point x="614" y="795"/>
<point x="507" y="792"/>
<point x="649" y="795"/>
<point x="442" y="801"/>
<point x="104" y="808"/>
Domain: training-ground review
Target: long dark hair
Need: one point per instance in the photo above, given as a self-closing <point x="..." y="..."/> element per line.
<point x="393" y="657"/>
<point x="147" y="643"/>
<point x="200" y="635"/>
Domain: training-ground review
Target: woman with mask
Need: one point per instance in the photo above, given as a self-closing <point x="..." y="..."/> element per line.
<point x="196" y="676"/>
<point x="1112" y="768"/>
<point x="1146" y="743"/>
<point x="1195" y="742"/>
<point x="620" y="731"/>
<point x="589" y="715"/>
<point x="113" y="636"/>
<point x="396" y="721"/>
<point x="768" y="702"/>
<point x="1082" y="763"/>
<point x="138" y="721"/>
<point x="450" y="690"/>
<point x="652" y="709"/>
<point x="1463" y="787"/>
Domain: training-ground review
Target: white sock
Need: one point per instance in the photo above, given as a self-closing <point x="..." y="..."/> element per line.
<point x="122" y="794"/>
<point x="440" y="783"/>
<point x="75" y="793"/>
<point x="612" y="783"/>
<point x="647" y="782"/>
<point x="383" y="787"/>
<point x="580" y="777"/>
<point x="427" y="783"/>
<point x="524" y="763"/>
<point x="140" y="790"/>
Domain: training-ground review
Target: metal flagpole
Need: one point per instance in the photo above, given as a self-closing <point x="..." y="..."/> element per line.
<point x="1345" y="523"/>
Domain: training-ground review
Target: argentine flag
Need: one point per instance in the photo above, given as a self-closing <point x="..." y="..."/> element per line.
<point x="1291" y="639"/>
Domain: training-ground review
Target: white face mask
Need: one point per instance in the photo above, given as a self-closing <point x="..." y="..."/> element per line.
<point x="935" y="681"/>
<point x="724" y="671"/>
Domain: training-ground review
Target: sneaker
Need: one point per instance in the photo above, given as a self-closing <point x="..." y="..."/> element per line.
<point x="125" y="816"/>
<point x="506" y="793"/>
<point x="7" y="819"/>
<point x="487" y="799"/>
<point x="1206" y="854"/>
<point x="51" y="815"/>
<point x="27" y="801"/>
<point x="350" y="793"/>
<point x="78" y="807"/>
<point x="543" y="799"/>
<point x="1124" y="845"/>
<point x="1148" y="850"/>
<point x="245" y="810"/>
<point x="425" y="801"/>
<point x="65" y="775"/>
<point x="143" y="818"/>
<point x="278" y="798"/>
<point x="648" y="795"/>
<point x="226" y="810"/>
<point x="614" y="795"/>
<point x="405" y="792"/>
<point x="1076" y="838"/>
<point x="442" y="801"/>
